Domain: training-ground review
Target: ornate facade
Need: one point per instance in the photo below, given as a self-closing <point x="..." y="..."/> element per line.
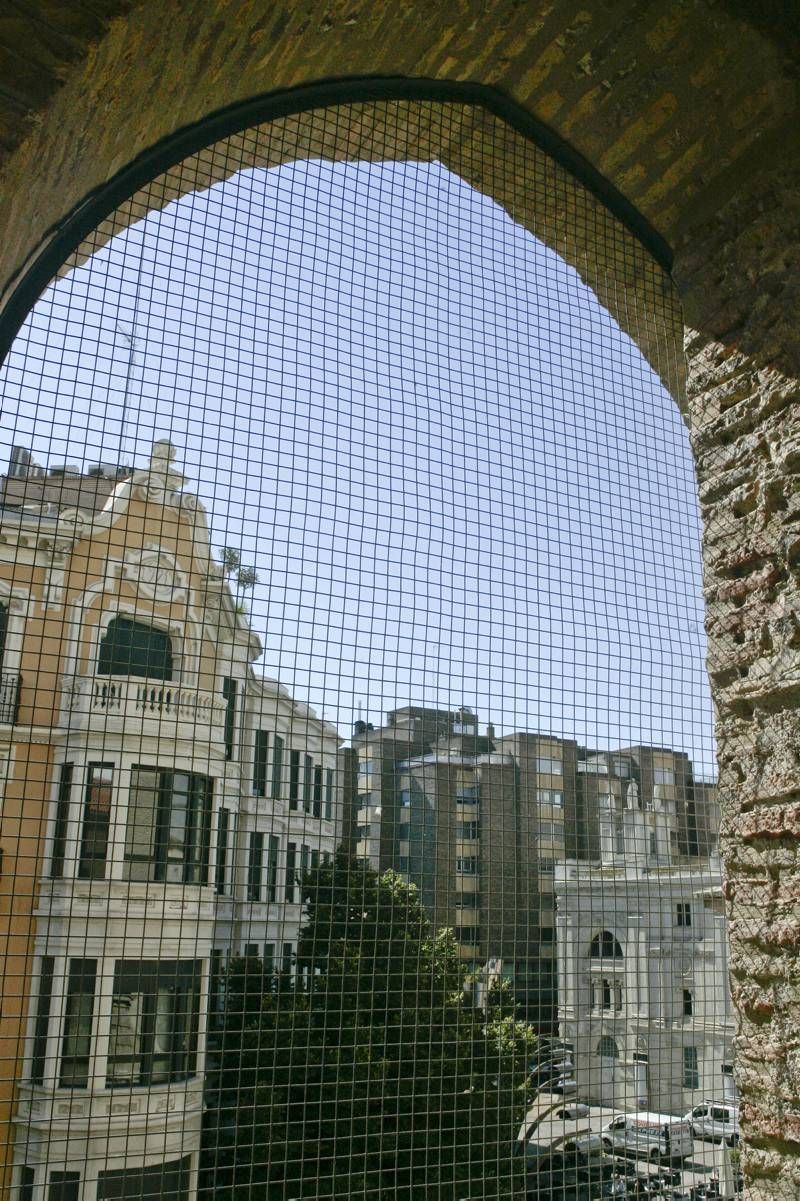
<point x="148" y="828"/>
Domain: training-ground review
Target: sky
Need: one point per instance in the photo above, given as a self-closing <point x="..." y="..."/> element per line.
<point x="457" y="479"/>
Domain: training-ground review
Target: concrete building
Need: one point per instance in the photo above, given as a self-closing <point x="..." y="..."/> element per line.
<point x="157" y="796"/>
<point x="644" y="1000"/>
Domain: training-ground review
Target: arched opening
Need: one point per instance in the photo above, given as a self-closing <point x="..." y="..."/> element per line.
<point x="426" y="440"/>
<point x="134" y="648"/>
<point x="605" y="946"/>
<point x="607" y="1047"/>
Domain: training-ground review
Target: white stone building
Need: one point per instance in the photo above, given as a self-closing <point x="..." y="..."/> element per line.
<point x="643" y="988"/>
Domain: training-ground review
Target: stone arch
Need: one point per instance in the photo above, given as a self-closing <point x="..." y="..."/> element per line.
<point x="693" y="114"/>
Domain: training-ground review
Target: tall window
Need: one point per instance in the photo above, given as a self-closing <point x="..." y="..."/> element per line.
<point x="61" y="824"/>
<point x="96" y="819"/>
<point x="260" y="756"/>
<point x="229" y="689"/>
<point x="42" y="1020"/>
<point x="329" y="794"/>
<point x="291" y="871"/>
<point x="691" y="1068"/>
<point x="688" y="1003"/>
<point x="277" y="766"/>
<point x="683" y="914"/>
<point x="77" y="1039"/>
<point x="255" y="866"/>
<point x="63" y="1186"/>
<point x="308" y="782"/>
<point x="131" y="648"/>
<point x="272" y="868"/>
<point x="294" y="779"/>
<point x="223" y="840"/>
<point x="317" y="797"/>
<point x="169" y="820"/>
<point x="3" y="631"/>
<point x="154" y="1016"/>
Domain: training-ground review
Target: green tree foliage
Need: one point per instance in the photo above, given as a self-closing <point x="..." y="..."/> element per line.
<point x="377" y="1080"/>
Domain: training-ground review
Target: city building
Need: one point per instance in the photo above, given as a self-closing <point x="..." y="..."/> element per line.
<point x="159" y="801"/>
<point x="481" y="823"/>
<point x="644" y="1002"/>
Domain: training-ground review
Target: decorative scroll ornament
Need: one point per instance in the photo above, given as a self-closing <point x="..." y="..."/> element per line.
<point x="154" y="572"/>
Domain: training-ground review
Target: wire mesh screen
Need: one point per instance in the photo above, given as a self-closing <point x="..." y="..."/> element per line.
<point x="359" y="821"/>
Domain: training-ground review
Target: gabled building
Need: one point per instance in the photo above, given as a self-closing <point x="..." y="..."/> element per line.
<point x="157" y="796"/>
<point x="644" y="1002"/>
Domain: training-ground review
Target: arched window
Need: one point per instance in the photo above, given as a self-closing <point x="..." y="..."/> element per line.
<point x="605" y="946"/>
<point x="607" y="1048"/>
<point x="131" y="648"/>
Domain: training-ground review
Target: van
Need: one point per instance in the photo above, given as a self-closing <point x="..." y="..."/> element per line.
<point x="653" y="1136"/>
<point x="715" y="1120"/>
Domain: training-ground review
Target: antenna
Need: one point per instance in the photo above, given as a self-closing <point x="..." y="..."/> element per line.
<point x="130" y="337"/>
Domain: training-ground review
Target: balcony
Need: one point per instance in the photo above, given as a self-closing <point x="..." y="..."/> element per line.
<point x="135" y="706"/>
<point x="10" y="688"/>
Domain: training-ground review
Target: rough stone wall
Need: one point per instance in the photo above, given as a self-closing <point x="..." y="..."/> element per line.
<point x="744" y="419"/>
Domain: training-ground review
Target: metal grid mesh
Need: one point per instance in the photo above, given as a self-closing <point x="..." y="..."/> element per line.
<point x="359" y="824"/>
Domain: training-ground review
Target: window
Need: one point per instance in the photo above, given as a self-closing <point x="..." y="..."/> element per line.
<point x="547" y="766"/>
<point x="169" y="821"/>
<point x="468" y="794"/>
<point x="467" y="865"/>
<point x="42" y="1020"/>
<point x="64" y="1186"/>
<point x="605" y="988"/>
<point x="163" y="1182"/>
<point x="272" y="868"/>
<point x="402" y="863"/>
<point x="317" y="797"/>
<point x="468" y="830"/>
<point x="308" y="782"/>
<point x="329" y="794"/>
<point x="27" y="1180"/>
<point x="251" y="950"/>
<point x="653" y="843"/>
<point x="691" y="1070"/>
<point x="131" y="648"/>
<point x="77" y="1038"/>
<point x="255" y="866"/>
<point x="621" y="768"/>
<point x="304" y="856"/>
<point x="467" y="900"/>
<point x="61" y="823"/>
<point x="260" y="756"/>
<point x="3" y="631"/>
<point x="96" y="818"/>
<point x="286" y="958"/>
<point x="291" y="872"/>
<point x="223" y="836"/>
<point x="547" y="867"/>
<point x="405" y="798"/>
<point x="468" y="936"/>
<point x="604" y="946"/>
<point x="688" y="1003"/>
<point x="607" y="1047"/>
<point x="154" y="1016"/>
<point x="663" y="775"/>
<point x="269" y="958"/>
<point x="277" y="766"/>
<point x="363" y="832"/>
<point x="366" y="769"/>
<point x="229" y="688"/>
<point x="683" y="914"/>
<point x="547" y="934"/>
<point x="550" y="796"/>
<point x="294" y="779"/>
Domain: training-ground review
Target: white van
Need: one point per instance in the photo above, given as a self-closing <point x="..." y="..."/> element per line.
<point x="653" y="1136"/>
<point x="715" y="1120"/>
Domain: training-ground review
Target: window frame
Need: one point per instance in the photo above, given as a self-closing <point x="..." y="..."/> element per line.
<point x="194" y="869"/>
<point x="160" y="975"/>
<point x="91" y="864"/>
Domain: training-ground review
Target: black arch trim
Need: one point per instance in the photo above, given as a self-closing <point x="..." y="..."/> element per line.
<point x="73" y="229"/>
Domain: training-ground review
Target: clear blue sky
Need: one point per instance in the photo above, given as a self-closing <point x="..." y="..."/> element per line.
<point x="458" y="480"/>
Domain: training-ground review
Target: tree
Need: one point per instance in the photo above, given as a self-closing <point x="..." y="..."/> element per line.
<point x="376" y="1080"/>
<point x="245" y="578"/>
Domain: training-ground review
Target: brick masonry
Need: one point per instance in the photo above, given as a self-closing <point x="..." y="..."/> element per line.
<point x="691" y="109"/>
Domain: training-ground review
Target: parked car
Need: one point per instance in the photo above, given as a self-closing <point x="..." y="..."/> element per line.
<point x="563" y="1086"/>
<point x="715" y="1120"/>
<point x="653" y="1136"/>
<point x="573" y="1111"/>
